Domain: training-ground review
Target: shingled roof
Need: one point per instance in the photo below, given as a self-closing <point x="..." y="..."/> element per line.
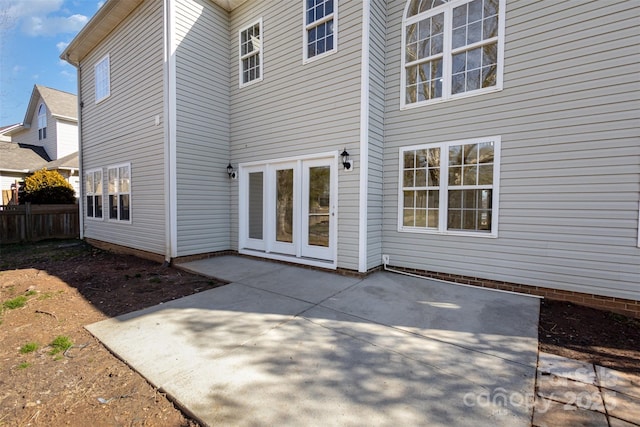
<point x="22" y="157"/>
<point x="61" y="104"/>
<point x="69" y="161"/>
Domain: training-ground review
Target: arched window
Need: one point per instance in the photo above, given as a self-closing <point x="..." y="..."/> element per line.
<point x="42" y="122"/>
<point x="451" y="48"/>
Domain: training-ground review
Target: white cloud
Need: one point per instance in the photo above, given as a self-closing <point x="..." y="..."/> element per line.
<point x="36" y="17"/>
<point x="21" y="8"/>
<point x="69" y="75"/>
<point x="52" y="25"/>
<point x="61" y="46"/>
<point x="17" y="69"/>
<point x="100" y="3"/>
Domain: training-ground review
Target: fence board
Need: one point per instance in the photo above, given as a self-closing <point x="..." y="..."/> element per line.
<point x="31" y="223"/>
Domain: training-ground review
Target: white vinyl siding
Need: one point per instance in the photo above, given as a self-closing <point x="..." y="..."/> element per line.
<point x="203" y="83"/>
<point x="377" y="29"/>
<point x="292" y="113"/>
<point x="102" y="72"/>
<point x="66" y="133"/>
<point x="122" y="129"/>
<point x="567" y="116"/>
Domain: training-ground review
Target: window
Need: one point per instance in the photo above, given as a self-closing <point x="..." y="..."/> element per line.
<point x="450" y="187"/>
<point x="93" y="188"/>
<point x="42" y="122"/>
<point x="451" y="49"/>
<point x="251" y="54"/>
<point x="102" y="79"/>
<point x="320" y="27"/>
<point x="119" y="192"/>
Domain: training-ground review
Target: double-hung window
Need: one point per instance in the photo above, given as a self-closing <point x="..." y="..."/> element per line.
<point x="119" y="192"/>
<point x="451" y="49"/>
<point x="250" y="40"/>
<point x="450" y="187"/>
<point x="102" y="79"/>
<point x="42" y="122"/>
<point x="93" y="189"/>
<point x="320" y="29"/>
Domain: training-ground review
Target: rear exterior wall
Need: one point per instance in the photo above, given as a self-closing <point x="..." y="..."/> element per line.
<point x="570" y="176"/>
<point x="300" y="109"/>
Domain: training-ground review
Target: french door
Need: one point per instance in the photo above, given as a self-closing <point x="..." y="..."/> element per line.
<point x="287" y="209"/>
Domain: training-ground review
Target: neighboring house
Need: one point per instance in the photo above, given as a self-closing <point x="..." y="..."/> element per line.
<point x="4" y="132"/>
<point x="47" y="138"/>
<point x="16" y="162"/>
<point x="492" y="142"/>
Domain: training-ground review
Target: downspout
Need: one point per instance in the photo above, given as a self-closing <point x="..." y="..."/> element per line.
<point x="364" y="139"/>
<point x="169" y="120"/>
<point x="81" y="183"/>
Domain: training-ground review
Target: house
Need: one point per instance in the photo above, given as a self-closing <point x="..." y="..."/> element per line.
<point x="47" y="138"/>
<point x="489" y="142"/>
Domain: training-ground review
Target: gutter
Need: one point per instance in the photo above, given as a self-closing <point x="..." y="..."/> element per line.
<point x="81" y="182"/>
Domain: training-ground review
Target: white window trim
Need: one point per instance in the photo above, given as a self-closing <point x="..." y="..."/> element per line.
<point x="90" y="193"/>
<point x="444" y="182"/>
<point x="260" y="54"/>
<point x="107" y="194"/>
<point x="446" y="72"/>
<point x="305" y="35"/>
<point x="95" y="80"/>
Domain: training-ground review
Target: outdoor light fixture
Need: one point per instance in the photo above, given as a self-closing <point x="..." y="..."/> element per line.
<point x="231" y="171"/>
<point x="346" y="163"/>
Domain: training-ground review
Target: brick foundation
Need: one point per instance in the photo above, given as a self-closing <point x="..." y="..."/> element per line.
<point x="627" y="307"/>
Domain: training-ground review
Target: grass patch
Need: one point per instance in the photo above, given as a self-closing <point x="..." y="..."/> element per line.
<point x="16" y="302"/>
<point x="31" y="292"/>
<point x="24" y="365"/>
<point x="60" y="344"/>
<point x="155" y="280"/>
<point x="29" y="347"/>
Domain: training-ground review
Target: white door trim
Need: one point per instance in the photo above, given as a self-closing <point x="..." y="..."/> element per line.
<point x="267" y="249"/>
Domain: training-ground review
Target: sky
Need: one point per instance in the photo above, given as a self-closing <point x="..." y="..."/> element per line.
<point x="33" y="34"/>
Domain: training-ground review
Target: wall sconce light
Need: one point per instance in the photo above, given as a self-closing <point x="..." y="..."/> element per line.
<point x="346" y="163"/>
<point x="231" y="171"/>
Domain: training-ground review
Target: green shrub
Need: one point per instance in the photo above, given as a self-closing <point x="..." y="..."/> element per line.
<point x="46" y="187"/>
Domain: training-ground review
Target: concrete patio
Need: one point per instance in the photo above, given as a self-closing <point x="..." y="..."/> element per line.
<point x="283" y="345"/>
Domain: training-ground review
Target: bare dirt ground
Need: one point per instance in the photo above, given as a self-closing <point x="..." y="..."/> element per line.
<point x="49" y="291"/>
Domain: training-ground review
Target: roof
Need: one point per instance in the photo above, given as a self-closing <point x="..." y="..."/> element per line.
<point x="108" y="17"/>
<point x="62" y="105"/>
<point x="69" y="161"/>
<point x="22" y="157"/>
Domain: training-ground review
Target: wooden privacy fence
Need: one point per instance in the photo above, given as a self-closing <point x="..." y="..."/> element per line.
<point x="30" y="223"/>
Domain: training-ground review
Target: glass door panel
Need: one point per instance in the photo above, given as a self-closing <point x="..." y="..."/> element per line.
<point x="317" y="209"/>
<point x="284" y="205"/>
<point x="282" y="208"/>
<point x="319" y="206"/>
<point x="256" y="204"/>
